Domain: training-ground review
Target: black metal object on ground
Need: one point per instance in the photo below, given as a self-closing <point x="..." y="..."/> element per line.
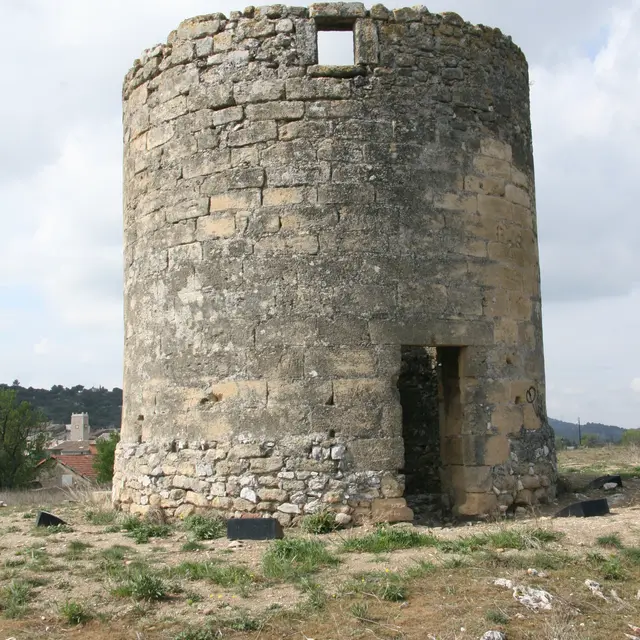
<point x="599" y="483"/>
<point x="585" y="509"/>
<point x="254" y="529"/>
<point x="46" y="519"/>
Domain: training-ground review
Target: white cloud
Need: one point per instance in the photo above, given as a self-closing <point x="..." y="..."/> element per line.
<point x="42" y="347"/>
<point x="635" y="385"/>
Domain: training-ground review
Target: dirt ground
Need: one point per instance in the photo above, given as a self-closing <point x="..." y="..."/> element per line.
<point x="446" y="594"/>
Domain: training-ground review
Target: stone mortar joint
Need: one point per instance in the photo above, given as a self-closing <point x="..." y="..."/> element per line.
<point x="332" y="291"/>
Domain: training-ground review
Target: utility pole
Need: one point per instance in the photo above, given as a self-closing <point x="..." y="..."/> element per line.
<point x="579" y="433"/>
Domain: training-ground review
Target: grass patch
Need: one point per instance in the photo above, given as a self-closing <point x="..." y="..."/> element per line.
<point x="420" y="569"/>
<point x="142" y="531"/>
<point x="496" y="617"/>
<point x="631" y="556"/>
<point x="385" y="539"/>
<point x="456" y="562"/>
<point x="141" y="584"/>
<point x="321" y="522"/>
<point x="610" y="568"/>
<point x="42" y="532"/>
<point x="222" y="575"/>
<point x="316" y="595"/>
<point x="205" y="527"/>
<point x="541" y="560"/>
<point x="385" y="585"/>
<point x="294" y="558"/>
<point x="97" y="516"/>
<point x="14" y="598"/>
<point x="75" y="549"/>
<point x="214" y="630"/>
<point x="611" y="541"/>
<point x="74" y="613"/>
<point x="360" y="611"/>
<point x="193" y="545"/>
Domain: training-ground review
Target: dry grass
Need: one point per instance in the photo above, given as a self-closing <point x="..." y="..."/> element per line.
<point x="610" y="459"/>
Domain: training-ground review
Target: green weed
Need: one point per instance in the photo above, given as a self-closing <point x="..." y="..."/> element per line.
<point x="97" y="516"/>
<point x="41" y="532"/>
<point x="611" y="541"/>
<point x="496" y="617"/>
<point x="205" y="527"/>
<point x="140" y="584"/>
<point x="321" y="522"/>
<point x="631" y="556"/>
<point x="385" y="539"/>
<point x="385" y="585"/>
<point x="316" y="595"/>
<point x="75" y="549"/>
<point x="14" y="598"/>
<point x="293" y="558"/>
<point x="142" y="531"/>
<point x="74" y="613"/>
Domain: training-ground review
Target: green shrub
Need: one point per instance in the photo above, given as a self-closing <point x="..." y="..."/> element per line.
<point x="205" y="527"/>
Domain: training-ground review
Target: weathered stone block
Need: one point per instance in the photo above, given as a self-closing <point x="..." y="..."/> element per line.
<point x="252" y="134"/>
<point x="275" y="110"/>
<point x="245" y="199"/>
<point x="391" y="510"/>
<point x="317" y="88"/>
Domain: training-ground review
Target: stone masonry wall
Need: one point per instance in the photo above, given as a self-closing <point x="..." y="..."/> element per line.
<point x="289" y="226"/>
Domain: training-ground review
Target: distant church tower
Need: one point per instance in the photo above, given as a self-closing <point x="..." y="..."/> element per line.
<point x="79" y="427"/>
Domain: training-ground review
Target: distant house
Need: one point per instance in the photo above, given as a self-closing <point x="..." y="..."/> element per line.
<point x="74" y="464"/>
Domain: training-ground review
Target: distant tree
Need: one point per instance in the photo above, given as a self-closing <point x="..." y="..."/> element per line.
<point x="590" y="440"/>
<point x="631" y="436"/>
<point x="105" y="456"/>
<point x="22" y="441"/>
<point x="15" y="383"/>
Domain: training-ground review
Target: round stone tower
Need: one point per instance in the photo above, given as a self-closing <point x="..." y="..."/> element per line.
<point x="331" y="272"/>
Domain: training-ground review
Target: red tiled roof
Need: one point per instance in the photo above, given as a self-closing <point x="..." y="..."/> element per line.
<point x="82" y="465"/>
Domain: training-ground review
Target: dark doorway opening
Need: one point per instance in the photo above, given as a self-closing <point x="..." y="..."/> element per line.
<point x="429" y="387"/>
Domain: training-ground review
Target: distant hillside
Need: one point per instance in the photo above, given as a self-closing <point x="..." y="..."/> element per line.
<point x="569" y="431"/>
<point x="58" y="403"/>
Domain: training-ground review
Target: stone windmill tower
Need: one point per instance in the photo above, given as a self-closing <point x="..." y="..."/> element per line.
<point x="332" y="286"/>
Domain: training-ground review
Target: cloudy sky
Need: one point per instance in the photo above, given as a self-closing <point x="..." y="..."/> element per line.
<point x="60" y="186"/>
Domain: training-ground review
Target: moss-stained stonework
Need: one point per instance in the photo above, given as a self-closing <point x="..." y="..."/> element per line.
<point x="289" y="227"/>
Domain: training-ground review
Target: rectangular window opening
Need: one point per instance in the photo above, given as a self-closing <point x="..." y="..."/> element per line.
<point x="429" y="388"/>
<point x="336" y="46"/>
